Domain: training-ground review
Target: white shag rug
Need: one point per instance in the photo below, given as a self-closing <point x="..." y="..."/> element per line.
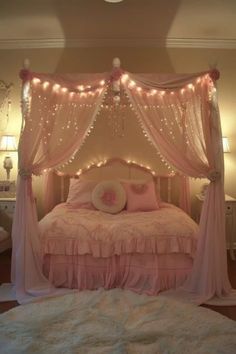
<point x="115" y="322"/>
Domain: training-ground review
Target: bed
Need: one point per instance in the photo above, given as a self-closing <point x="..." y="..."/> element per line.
<point x="144" y="247"/>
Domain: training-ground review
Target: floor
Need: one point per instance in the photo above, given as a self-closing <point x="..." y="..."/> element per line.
<point x="5" y="268"/>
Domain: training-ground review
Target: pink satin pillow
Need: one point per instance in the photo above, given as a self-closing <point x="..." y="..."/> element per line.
<point x="80" y="193"/>
<point x="141" y="196"/>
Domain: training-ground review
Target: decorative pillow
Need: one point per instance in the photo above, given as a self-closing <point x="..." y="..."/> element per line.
<point x="141" y="196"/>
<point x="80" y="193"/>
<point x="109" y="196"/>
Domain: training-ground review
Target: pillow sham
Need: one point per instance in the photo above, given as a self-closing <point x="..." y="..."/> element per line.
<point x="109" y="196"/>
<point x="141" y="196"/>
<point x="80" y="193"/>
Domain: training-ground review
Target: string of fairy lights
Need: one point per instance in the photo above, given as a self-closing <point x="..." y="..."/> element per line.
<point x="83" y="96"/>
<point x="82" y="90"/>
<point x="106" y="162"/>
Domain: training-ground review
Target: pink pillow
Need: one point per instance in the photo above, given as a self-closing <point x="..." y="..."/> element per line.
<point x="141" y="196"/>
<point x="80" y="193"/>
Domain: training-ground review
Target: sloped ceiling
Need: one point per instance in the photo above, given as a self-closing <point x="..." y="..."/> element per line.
<point x="131" y="22"/>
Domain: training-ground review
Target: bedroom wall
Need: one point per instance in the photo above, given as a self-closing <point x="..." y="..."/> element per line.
<point x="133" y="145"/>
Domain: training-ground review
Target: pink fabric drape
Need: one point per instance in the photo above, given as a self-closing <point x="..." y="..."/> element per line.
<point x="26" y="269"/>
<point x="55" y="127"/>
<point x="181" y="119"/>
<point x="209" y="276"/>
<point x="184" y="195"/>
<point x="178" y="114"/>
<point x="161" y="115"/>
<point x="49" y="201"/>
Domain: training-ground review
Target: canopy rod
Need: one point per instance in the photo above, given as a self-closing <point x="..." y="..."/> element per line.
<point x="115" y="78"/>
<point x="26" y="64"/>
<point x="116" y="63"/>
<point x="24" y="92"/>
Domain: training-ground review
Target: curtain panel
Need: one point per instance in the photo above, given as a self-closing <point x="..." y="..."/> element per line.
<point x="181" y="119"/>
<point x="59" y="117"/>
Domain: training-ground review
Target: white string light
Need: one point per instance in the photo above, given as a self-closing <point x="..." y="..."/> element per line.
<point x="80" y="87"/>
<point x="87" y="132"/>
<point x="106" y="162"/>
<point x="82" y="90"/>
<point x="85" y="91"/>
<point x="125" y="79"/>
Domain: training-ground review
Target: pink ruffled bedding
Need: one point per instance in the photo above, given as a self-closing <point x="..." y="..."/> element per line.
<point x="142" y="273"/>
<point x="69" y="231"/>
<point x="145" y="252"/>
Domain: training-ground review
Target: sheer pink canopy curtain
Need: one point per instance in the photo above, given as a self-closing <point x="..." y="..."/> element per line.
<point x="180" y="117"/>
<point x="61" y="112"/>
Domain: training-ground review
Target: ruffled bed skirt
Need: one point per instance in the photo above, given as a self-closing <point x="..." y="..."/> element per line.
<point x="134" y="245"/>
<point x="142" y="273"/>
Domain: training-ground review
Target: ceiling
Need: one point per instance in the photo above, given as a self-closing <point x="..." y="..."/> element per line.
<point x="60" y="23"/>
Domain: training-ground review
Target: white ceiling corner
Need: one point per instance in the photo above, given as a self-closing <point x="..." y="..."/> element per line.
<point x="134" y="23"/>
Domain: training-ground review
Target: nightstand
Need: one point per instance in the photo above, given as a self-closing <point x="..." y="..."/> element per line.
<point x="230" y="220"/>
<point x="7" y="207"/>
<point x="5" y="240"/>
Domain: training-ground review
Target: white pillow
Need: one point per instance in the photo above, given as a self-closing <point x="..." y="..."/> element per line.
<point x="109" y="196"/>
<point x="80" y="193"/>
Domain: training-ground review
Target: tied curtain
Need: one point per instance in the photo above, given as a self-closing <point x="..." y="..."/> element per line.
<point x="179" y="116"/>
<point x="56" y="124"/>
<point x="181" y="119"/>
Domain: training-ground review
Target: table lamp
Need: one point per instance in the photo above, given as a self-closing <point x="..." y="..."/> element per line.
<point x="8" y="143"/>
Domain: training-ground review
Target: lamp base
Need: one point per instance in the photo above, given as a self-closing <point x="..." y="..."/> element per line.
<point x="8" y="165"/>
<point x="8" y="173"/>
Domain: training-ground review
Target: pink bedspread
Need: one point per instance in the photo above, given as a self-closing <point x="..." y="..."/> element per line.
<point x="68" y="231"/>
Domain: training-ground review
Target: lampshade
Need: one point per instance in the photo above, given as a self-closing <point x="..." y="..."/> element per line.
<point x="8" y="143"/>
<point x="225" y="144"/>
<point x="113" y="1"/>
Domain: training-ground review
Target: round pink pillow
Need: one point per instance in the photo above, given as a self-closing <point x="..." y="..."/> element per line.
<point x="109" y="196"/>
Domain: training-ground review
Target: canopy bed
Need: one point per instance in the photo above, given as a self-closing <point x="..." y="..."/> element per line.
<point x="147" y="247"/>
<point x="179" y="116"/>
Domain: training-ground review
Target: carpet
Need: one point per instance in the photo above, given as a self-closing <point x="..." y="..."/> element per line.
<point x="115" y="322"/>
